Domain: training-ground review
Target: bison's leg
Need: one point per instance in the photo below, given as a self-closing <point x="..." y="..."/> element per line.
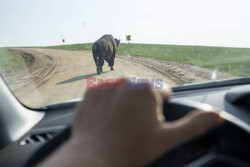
<point x="95" y="55"/>
<point x="95" y="58"/>
<point x="98" y="70"/>
<point x="111" y="62"/>
<point x="100" y="63"/>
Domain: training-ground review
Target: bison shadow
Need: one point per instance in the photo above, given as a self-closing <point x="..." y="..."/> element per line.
<point x="76" y="78"/>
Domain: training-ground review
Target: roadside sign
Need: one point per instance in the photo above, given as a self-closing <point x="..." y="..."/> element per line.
<point x="128" y="37"/>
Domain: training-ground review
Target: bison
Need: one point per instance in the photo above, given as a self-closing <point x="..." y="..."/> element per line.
<point x="105" y="48"/>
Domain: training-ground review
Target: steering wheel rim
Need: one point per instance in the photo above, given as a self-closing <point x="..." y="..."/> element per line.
<point x="175" y="109"/>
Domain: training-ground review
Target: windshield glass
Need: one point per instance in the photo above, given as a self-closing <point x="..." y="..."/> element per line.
<point x="53" y="51"/>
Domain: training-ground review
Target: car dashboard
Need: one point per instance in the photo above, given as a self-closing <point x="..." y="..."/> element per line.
<point x="220" y="147"/>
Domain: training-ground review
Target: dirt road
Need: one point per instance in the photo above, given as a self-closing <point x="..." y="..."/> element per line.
<point x="51" y="76"/>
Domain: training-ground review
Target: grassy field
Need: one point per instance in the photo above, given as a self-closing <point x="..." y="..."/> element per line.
<point x="8" y="59"/>
<point x="233" y="60"/>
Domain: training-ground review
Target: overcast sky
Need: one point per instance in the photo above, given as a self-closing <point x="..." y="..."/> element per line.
<point x="188" y="22"/>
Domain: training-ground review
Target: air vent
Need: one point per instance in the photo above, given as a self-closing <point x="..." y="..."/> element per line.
<point x="38" y="138"/>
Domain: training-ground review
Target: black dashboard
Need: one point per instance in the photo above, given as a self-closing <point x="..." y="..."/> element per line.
<point x="227" y="145"/>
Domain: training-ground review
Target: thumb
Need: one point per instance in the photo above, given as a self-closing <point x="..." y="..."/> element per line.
<point x="191" y="126"/>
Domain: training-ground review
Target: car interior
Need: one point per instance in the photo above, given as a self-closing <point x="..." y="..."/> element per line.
<point x="51" y="51"/>
<point x="44" y="130"/>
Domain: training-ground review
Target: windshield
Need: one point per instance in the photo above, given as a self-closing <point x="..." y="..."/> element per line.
<point x="53" y="51"/>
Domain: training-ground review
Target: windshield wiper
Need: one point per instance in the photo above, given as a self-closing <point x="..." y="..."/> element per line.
<point x="213" y="84"/>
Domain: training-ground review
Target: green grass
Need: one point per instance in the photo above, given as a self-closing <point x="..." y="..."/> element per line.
<point x="226" y="59"/>
<point x="8" y="59"/>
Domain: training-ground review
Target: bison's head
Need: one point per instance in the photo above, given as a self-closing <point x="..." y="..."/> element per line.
<point x="117" y="42"/>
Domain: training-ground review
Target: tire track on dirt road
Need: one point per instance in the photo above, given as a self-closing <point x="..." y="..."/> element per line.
<point x="53" y="76"/>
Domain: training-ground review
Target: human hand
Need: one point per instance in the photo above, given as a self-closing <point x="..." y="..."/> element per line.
<point x="126" y="127"/>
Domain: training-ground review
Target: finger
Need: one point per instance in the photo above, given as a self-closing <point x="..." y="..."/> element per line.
<point x="191" y="126"/>
<point x="161" y="96"/>
<point x="165" y="93"/>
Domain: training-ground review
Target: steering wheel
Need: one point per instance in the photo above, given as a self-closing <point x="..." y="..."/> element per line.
<point x="226" y="145"/>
